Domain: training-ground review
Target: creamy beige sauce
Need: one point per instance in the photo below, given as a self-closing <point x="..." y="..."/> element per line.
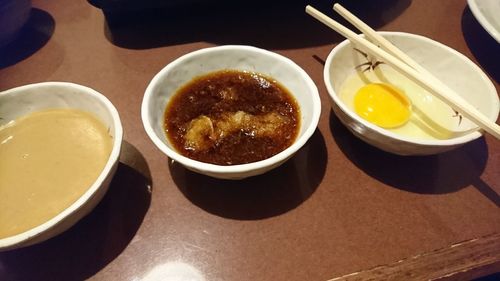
<point x="48" y="159"/>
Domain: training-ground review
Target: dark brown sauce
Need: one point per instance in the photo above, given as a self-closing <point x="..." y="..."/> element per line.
<point x="232" y="117"/>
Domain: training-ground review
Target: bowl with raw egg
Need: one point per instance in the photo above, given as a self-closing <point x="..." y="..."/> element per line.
<point x="232" y="111"/>
<point x="387" y="110"/>
<point x="60" y="144"/>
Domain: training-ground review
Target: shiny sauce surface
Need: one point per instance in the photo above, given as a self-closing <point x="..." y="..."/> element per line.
<point x="232" y="117"/>
<point x="48" y="159"/>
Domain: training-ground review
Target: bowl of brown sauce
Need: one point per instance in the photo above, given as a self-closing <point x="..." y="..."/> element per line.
<point x="231" y="112"/>
<point x="59" y="146"/>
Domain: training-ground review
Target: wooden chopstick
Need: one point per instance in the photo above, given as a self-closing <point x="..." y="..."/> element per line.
<point x="424" y="79"/>
<point x="383" y="43"/>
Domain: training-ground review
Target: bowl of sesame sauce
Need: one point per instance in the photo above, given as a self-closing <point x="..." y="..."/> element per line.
<point x="231" y="112"/>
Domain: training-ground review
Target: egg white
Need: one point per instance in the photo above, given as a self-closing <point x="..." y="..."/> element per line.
<point x="430" y="117"/>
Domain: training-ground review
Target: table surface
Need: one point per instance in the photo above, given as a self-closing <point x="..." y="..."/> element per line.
<point x="338" y="207"/>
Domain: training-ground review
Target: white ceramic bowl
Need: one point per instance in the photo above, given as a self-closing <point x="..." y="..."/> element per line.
<point x="486" y="12"/>
<point x="22" y="100"/>
<point x="244" y="58"/>
<point x="450" y="66"/>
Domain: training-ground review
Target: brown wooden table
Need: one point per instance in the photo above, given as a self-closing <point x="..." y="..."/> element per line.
<point x="340" y="209"/>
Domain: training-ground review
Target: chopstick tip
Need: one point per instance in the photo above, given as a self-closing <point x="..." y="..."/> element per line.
<point x="337" y="7"/>
<point x="311" y="10"/>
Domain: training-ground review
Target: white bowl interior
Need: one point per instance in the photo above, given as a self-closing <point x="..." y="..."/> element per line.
<point x="22" y="100"/>
<point x="448" y="65"/>
<point x="486" y="12"/>
<point x="244" y="58"/>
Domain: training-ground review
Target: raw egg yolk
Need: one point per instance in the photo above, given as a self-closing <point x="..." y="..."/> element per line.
<point x="382" y="104"/>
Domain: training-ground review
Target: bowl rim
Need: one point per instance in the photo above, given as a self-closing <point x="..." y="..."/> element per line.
<point x="239" y="168"/>
<point x="17" y="239"/>
<point x="473" y="133"/>
<point x="477" y="11"/>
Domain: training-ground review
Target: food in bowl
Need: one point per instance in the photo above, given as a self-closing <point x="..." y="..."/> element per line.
<point x="184" y="69"/>
<point x="451" y="67"/>
<point x="390" y="100"/>
<point x="96" y="118"/>
<point x="48" y="160"/>
<point x="381" y="104"/>
<point x="232" y="117"/>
